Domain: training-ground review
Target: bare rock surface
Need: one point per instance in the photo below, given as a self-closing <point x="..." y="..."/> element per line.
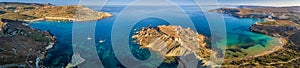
<point x="173" y="41"/>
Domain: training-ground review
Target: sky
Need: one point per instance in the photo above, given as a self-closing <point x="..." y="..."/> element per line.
<point x="179" y="2"/>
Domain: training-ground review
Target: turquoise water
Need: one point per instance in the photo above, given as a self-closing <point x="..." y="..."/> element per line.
<point x="238" y="34"/>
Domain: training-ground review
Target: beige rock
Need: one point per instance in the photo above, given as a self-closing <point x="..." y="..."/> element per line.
<point x="172" y="41"/>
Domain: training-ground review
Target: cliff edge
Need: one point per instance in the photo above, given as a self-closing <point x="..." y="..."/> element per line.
<point x="174" y="41"/>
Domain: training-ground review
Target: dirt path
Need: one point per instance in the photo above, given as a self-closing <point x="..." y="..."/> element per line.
<point x="284" y="62"/>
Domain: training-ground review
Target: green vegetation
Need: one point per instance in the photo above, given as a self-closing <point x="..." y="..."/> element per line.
<point x="269" y="23"/>
<point x="40" y="38"/>
<point x="285" y="56"/>
<point x="16" y="16"/>
<point x="235" y="53"/>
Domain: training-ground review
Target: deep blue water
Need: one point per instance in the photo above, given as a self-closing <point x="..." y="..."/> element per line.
<point x="61" y="54"/>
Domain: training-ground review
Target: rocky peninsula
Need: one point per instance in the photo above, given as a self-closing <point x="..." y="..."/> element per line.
<point x="280" y="22"/>
<point x="34" y="12"/>
<point x="23" y="46"/>
<point x="175" y="41"/>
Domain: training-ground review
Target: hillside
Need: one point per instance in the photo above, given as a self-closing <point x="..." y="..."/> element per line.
<point x="34" y="12"/>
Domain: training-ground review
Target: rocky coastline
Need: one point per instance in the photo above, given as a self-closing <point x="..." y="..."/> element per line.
<point x="30" y="12"/>
<point x="175" y="41"/>
<point x="280" y="22"/>
<point x="274" y="30"/>
<point x="23" y="46"/>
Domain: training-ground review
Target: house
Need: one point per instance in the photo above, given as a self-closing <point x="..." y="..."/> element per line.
<point x="270" y="18"/>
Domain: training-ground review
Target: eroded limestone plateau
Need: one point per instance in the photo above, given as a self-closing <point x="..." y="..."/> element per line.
<point x="172" y="41"/>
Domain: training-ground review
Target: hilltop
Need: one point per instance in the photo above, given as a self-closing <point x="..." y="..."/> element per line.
<point x="262" y="12"/>
<point x="34" y="12"/>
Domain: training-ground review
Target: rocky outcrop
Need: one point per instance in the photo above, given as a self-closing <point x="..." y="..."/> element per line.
<point x="21" y="45"/>
<point x="274" y="30"/>
<point x="172" y="41"/>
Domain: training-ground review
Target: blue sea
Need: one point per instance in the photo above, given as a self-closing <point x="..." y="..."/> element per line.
<point x="237" y="30"/>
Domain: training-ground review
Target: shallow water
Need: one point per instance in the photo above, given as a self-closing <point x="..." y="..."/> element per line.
<point x="238" y="34"/>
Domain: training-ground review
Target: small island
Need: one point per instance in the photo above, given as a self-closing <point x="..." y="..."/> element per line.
<point x="23" y="46"/>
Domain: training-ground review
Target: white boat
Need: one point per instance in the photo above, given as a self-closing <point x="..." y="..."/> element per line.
<point x="101" y="41"/>
<point x="89" y="38"/>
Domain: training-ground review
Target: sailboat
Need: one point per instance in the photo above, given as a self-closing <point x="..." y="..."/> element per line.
<point x="89" y="38"/>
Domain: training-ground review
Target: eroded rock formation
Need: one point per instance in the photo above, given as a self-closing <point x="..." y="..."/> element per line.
<point x="173" y="41"/>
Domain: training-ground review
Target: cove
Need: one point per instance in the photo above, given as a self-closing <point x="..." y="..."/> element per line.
<point x="238" y="36"/>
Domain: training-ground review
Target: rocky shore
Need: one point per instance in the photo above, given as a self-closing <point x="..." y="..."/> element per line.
<point x="274" y="30"/>
<point x="23" y="46"/>
<point x="175" y="41"/>
<point x="281" y="22"/>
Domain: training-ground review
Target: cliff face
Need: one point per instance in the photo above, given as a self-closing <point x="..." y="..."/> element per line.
<point x="274" y="30"/>
<point x="22" y="45"/>
<point x="172" y="41"/>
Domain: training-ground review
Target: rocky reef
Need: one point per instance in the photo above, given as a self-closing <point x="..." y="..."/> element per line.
<point x="174" y="41"/>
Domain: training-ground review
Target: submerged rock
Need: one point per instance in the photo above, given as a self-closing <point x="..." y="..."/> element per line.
<point x="76" y="59"/>
<point x="174" y="41"/>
